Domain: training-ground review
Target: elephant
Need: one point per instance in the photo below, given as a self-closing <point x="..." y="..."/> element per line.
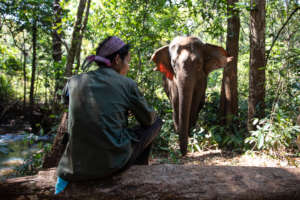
<point x="186" y="63"/>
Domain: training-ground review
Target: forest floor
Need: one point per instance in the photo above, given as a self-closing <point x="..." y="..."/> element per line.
<point x="228" y="158"/>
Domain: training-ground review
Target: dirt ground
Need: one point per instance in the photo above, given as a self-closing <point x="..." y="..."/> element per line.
<point x="227" y="158"/>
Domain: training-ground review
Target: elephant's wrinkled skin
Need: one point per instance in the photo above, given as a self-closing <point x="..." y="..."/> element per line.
<point x="186" y="63"/>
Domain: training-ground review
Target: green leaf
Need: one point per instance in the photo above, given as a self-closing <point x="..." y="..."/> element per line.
<point x="59" y="30"/>
<point x="52" y="116"/>
<point x="197" y="147"/>
<point x="255" y="121"/>
<point x="260" y="140"/>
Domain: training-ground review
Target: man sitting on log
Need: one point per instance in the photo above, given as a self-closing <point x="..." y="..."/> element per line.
<point x="100" y="143"/>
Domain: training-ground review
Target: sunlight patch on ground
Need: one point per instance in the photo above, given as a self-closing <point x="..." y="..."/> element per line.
<point x="5" y="172"/>
<point x="13" y="162"/>
<point x="227" y="158"/>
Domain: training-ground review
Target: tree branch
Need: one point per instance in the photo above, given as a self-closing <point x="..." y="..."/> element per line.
<point x="62" y="41"/>
<point x="274" y="40"/>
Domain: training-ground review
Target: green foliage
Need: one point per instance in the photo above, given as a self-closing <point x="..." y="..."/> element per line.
<point x="34" y="162"/>
<point x="6" y="91"/>
<point x="275" y="135"/>
<point x="167" y="140"/>
<point x="25" y="13"/>
<point x="11" y="65"/>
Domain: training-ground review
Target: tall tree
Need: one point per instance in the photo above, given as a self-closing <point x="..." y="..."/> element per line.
<point x="24" y="52"/>
<point x="33" y="69"/>
<point x="257" y="75"/>
<point x="229" y="92"/>
<point x="85" y="21"/>
<point x="56" y="33"/>
<point x="76" y="36"/>
<point x="57" y="45"/>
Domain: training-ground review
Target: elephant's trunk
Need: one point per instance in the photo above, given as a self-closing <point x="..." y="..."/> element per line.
<point x="185" y="91"/>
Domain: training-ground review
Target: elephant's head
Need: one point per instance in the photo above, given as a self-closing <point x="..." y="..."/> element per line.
<point x="186" y="63"/>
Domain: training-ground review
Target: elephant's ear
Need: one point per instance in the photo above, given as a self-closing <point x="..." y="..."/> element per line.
<point x="215" y="57"/>
<point x="161" y="57"/>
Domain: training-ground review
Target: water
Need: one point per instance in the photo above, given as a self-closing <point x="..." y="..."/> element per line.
<point x="16" y="148"/>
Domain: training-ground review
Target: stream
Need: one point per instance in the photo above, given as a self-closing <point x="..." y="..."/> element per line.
<point x="15" y="148"/>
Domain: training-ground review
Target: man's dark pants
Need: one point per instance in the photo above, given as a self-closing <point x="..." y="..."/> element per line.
<point x="142" y="149"/>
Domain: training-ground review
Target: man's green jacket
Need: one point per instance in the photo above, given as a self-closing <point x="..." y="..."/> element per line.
<point x="100" y="141"/>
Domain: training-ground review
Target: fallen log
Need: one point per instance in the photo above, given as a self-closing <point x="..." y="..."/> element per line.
<point x="172" y="182"/>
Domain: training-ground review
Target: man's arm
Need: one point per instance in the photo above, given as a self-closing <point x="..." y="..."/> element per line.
<point x="144" y="113"/>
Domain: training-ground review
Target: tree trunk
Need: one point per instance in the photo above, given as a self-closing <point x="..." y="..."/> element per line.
<point x="75" y="38"/>
<point x="78" y="58"/>
<point x="256" y="99"/>
<point x="57" y="49"/>
<point x="167" y="182"/>
<point x="298" y="123"/>
<point x="56" y="42"/>
<point x="24" y="77"/>
<point x="34" y="39"/>
<point x="229" y="92"/>
<point x="85" y="21"/>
